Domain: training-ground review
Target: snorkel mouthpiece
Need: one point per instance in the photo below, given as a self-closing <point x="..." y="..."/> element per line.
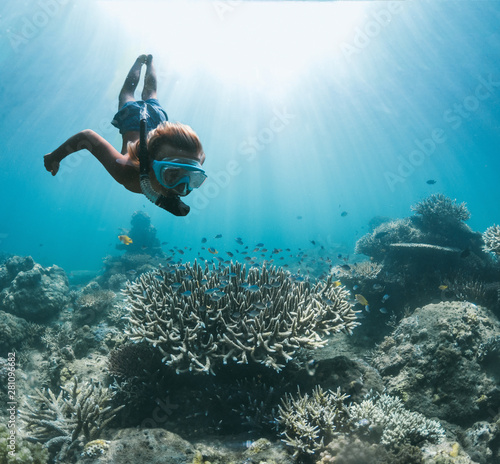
<point x="172" y="204"/>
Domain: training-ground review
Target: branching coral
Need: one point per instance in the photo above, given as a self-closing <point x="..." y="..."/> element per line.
<point x="439" y="208"/>
<point x="492" y="240"/>
<point x="60" y="421"/>
<point x="308" y="423"/>
<point x="199" y="317"/>
<point x="386" y="415"/>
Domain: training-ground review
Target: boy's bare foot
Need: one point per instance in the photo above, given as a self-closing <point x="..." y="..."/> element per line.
<point x="51" y="164"/>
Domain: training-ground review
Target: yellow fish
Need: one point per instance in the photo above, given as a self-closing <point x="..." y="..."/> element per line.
<point x="125" y="239"/>
<point x="361" y="299"/>
<point x="213" y="251"/>
<point x="337" y="283"/>
<point x="443" y="287"/>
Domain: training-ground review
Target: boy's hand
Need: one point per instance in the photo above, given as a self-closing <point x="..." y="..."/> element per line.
<point x="51" y="164"/>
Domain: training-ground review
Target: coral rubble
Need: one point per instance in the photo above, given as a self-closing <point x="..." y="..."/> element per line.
<point x="200" y="317"/>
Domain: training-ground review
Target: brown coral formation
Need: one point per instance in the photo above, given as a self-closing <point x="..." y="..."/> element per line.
<point x="200" y="317"/>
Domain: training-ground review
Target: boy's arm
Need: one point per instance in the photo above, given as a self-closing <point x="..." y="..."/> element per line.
<point x="106" y="154"/>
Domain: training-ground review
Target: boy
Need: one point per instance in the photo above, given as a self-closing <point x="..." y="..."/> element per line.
<point x="165" y="167"/>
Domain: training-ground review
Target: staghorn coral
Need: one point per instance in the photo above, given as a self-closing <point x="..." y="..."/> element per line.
<point x="79" y="412"/>
<point x="438" y="208"/>
<point x="308" y="423"/>
<point x="199" y="317"/>
<point x="491" y="238"/>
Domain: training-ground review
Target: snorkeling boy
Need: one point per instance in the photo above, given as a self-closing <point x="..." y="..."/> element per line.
<point x="160" y="159"/>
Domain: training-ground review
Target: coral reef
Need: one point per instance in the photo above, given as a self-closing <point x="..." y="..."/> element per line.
<point x="385" y="417"/>
<point x="307" y="423"/>
<point x="492" y="240"/>
<point x="438" y="208"/>
<point x="436" y="360"/>
<point x="32" y="291"/>
<point x="79" y="413"/>
<point x="143" y="235"/>
<point x="437" y="229"/>
<point x="200" y="317"/>
<point x="23" y="451"/>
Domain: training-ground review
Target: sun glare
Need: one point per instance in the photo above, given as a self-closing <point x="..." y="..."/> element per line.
<point x="238" y="40"/>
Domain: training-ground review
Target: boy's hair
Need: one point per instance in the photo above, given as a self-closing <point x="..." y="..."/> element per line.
<point x="177" y="135"/>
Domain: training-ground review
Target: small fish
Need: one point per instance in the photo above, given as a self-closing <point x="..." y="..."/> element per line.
<point x="361" y="299"/>
<point x="443" y="287"/>
<point x="259" y="245"/>
<point x="253" y="313"/>
<point x="337" y="283"/>
<point x="344" y="213"/>
<point x="213" y="251"/>
<point x="355" y="287"/>
<point x="346" y="267"/>
<point x="339" y="256"/>
<point x="431" y="182"/>
<point x="385" y="298"/>
<point x="229" y="254"/>
<point x="253" y="288"/>
<point x="186" y="293"/>
<point x="378" y="287"/>
<point x="259" y="305"/>
<point x="313" y="242"/>
<point x="383" y="310"/>
<point x="125" y="239"/>
<point x="218" y="236"/>
<point x="367" y="308"/>
<point x="203" y="240"/>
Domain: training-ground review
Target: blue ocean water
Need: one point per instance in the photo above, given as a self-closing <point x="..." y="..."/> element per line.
<point x="305" y="110"/>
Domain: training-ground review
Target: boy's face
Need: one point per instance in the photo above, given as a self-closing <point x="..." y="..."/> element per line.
<point x="167" y="151"/>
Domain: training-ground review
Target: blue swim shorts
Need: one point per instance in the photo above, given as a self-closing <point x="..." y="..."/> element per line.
<point x="129" y="117"/>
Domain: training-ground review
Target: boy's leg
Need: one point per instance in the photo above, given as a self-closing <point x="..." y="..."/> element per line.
<point x="149" y="90"/>
<point x="131" y="81"/>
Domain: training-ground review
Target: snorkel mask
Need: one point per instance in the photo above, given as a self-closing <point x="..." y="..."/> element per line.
<point x="179" y="175"/>
<point x="182" y="179"/>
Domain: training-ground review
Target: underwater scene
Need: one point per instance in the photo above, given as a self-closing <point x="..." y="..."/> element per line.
<point x="250" y="232"/>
